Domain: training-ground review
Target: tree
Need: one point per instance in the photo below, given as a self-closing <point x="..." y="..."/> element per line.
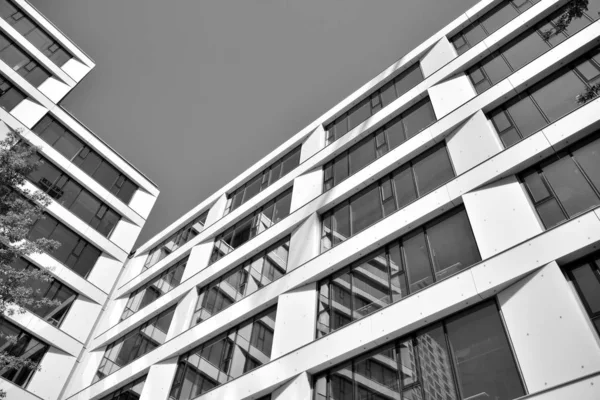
<point x="19" y="210"/>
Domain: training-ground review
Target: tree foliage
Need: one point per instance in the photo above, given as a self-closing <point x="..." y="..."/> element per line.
<point x="19" y="210"/>
<point x="573" y="9"/>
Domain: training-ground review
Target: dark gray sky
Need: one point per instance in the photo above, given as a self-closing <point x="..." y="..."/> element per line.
<point x="193" y="92"/>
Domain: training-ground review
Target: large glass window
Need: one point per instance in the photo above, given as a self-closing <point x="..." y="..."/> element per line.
<point x="489" y="23"/>
<point x="135" y="344"/>
<point x="160" y="285"/>
<point x="24" y="347"/>
<point x="524" y="49"/>
<point x="10" y="96"/>
<point x="566" y="184"/>
<point x="74" y="252"/>
<point x="175" y="241"/>
<point x="20" y="61"/>
<point x="261" y="220"/>
<point x="52" y="290"/>
<point x="71" y="195"/>
<point x="585" y="275"/>
<point x="374" y="103"/>
<point x="226" y="357"/>
<point x="27" y="27"/>
<point x="263" y="180"/>
<point x="466" y="356"/>
<point x="67" y="144"/>
<point x="393" y="192"/>
<point x="392" y="272"/>
<point x="546" y="101"/>
<point x="378" y="143"/>
<point x="131" y="391"/>
<point x="242" y="281"/>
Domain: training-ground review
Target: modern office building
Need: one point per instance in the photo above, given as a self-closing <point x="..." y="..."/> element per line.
<point x="433" y="236"/>
<point x="99" y="202"/>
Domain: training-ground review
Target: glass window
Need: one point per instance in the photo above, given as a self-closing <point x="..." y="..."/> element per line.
<point x="359" y="113"/>
<point x="558" y="97"/>
<point x="433" y="170"/>
<point x="366" y="209"/>
<point x="132" y="391"/>
<point x="418" y="118"/>
<point x="585" y="276"/>
<point x="457" y="358"/>
<point x="395" y="133"/>
<point x="225" y="357"/>
<point x="527" y="117"/>
<point x="408" y="80"/>
<point x="525" y="50"/>
<point x="588" y="159"/>
<point x="135" y="344"/>
<point x="452" y="245"/>
<point x="388" y="94"/>
<point x="10" y="96"/>
<point x="418" y="266"/>
<point x="362" y="154"/>
<point x="482" y="355"/>
<point x="498" y="17"/>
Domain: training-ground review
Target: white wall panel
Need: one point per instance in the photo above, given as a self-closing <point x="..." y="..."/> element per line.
<point x="54" y="89"/>
<point x="159" y="380"/>
<point x="81" y="318"/>
<point x="29" y="112"/>
<point x="76" y="69"/>
<point x="440" y="54"/>
<point x="299" y="388"/>
<point x="142" y="202"/>
<point x="55" y="368"/>
<point x="549" y="332"/>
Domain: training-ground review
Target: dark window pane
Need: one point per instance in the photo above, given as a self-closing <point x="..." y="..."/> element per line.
<point x="536" y="186"/>
<point x="408" y="80"/>
<point x="558" y="97"/>
<point x="106" y="175"/>
<point x="496" y="69"/>
<point x="388" y="94"/>
<point x="68" y="145"/>
<point x="573" y="191"/>
<point x="550" y="213"/>
<point x="290" y="162"/>
<point x="453" y="245"/>
<point x="370" y="285"/>
<point x="588" y="284"/>
<point x="484" y="361"/>
<point x="498" y="17"/>
<point x="127" y="191"/>
<point x="527" y="117"/>
<point x="404" y="186"/>
<point x="473" y="35"/>
<point x="588" y="70"/>
<point x="90" y="164"/>
<point x="510" y="137"/>
<point x="501" y="121"/>
<point x="341" y="224"/>
<point x="588" y="158"/>
<point x="341" y="127"/>
<point x="435" y="363"/>
<point x="362" y="154"/>
<point x="282" y="207"/>
<point x="252" y="188"/>
<point x="433" y="171"/>
<point x="359" y="113"/>
<point x="86" y="206"/>
<point x="418" y="118"/>
<point x="377" y="374"/>
<point x="341" y="386"/>
<point x="395" y="133"/>
<point x="417" y="262"/>
<point x="526" y="50"/>
<point x="340" y="169"/>
<point x="366" y="209"/>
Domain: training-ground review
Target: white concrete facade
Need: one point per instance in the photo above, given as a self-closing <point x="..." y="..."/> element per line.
<point x="68" y="339"/>
<point x="552" y="339"/>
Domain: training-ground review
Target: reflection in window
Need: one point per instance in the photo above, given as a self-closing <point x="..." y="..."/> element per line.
<point x="132" y="391"/>
<point x="524" y="49"/>
<point x="30" y="29"/>
<point x="73" y="196"/>
<point x="52" y="290"/>
<point x="489" y="23"/>
<point x="566" y="184"/>
<point x="414" y="179"/>
<point x="242" y="281"/>
<point x="26" y="347"/>
<point x="226" y="357"/>
<point x="74" y="252"/>
<point x="585" y="275"/>
<point x="175" y="241"/>
<point x="10" y="96"/>
<point x="471" y="346"/>
<point x="154" y="289"/>
<point x="547" y="101"/>
<point x="378" y="143"/>
<point x="135" y="344"/>
<point x="263" y="180"/>
<point x="21" y="62"/>
<point x="67" y="144"/>
<point x="259" y="221"/>
<point x="405" y="266"/>
<point x="374" y="103"/>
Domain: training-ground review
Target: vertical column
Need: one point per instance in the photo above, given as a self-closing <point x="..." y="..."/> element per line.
<point x="313" y="143"/>
<point x="552" y="336"/>
<point x="183" y="314"/>
<point x="296" y="320"/>
<point x="159" y="380"/>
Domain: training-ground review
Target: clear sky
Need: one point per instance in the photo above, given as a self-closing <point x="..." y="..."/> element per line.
<point x="193" y="92"/>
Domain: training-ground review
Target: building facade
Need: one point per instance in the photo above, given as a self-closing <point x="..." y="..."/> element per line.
<point x="433" y="236"/>
<point x="99" y="202"/>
